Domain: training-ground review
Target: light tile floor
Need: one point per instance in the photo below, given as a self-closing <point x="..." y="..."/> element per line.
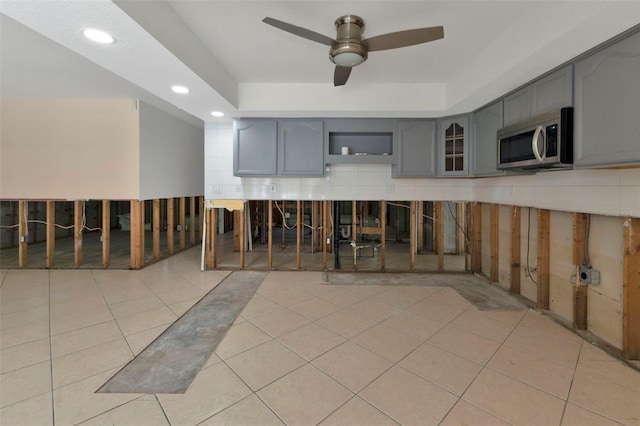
<point x="301" y="353"/>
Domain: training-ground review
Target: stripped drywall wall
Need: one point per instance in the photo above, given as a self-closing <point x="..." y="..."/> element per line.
<point x="504" y="248"/>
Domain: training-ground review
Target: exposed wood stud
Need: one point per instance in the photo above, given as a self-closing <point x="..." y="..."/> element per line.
<point x="494" y="238"/>
<point x="299" y="226"/>
<point x="383" y="232"/>
<point x="270" y="235"/>
<point x="51" y="233"/>
<point x="460" y="240"/>
<point x="155" y="223"/>
<point x="77" y="232"/>
<point x="22" y="233"/>
<point x="136" y="235"/>
<point x="440" y="233"/>
<point x="476" y="238"/>
<point x="241" y="234"/>
<point x="420" y="226"/>
<point x="631" y="289"/>
<point x="543" y="259"/>
<point x="192" y="220"/>
<point x="324" y="234"/>
<point x="211" y="237"/>
<point x="237" y="230"/>
<point x="201" y="212"/>
<point x="171" y="224"/>
<point x="106" y="233"/>
<point x="182" y="221"/>
<point x="579" y="290"/>
<point x="514" y="287"/>
<point x="354" y="231"/>
<point x="412" y="236"/>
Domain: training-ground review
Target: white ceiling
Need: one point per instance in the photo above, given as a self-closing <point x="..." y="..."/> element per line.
<point x="233" y="62"/>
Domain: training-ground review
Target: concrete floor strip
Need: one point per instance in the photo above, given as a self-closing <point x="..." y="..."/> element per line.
<point x="172" y="361"/>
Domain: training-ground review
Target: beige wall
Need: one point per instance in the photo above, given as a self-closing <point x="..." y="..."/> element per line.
<point x="69" y="149"/>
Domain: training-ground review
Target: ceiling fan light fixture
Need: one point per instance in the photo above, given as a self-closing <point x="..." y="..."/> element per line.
<point x="348" y="54"/>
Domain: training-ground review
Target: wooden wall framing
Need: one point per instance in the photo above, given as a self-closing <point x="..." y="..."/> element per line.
<point x="631" y="289"/>
<point x="494" y="241"/>
<point x="543" y="259"/>
<point x="476" y="237"/>
<point x="514" y="261"/>
<point x="579" y="257"/>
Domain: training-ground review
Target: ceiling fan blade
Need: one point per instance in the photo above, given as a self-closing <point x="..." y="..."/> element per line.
<point x="299" y="31"/>
<point x="341" y="75"/>
<point x="403" y="38"/>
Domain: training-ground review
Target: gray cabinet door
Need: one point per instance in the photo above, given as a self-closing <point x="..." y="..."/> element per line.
<point x="553" y="91"/>
<point x="607" y="110"/>
<point x="453" y="146"/>
<point x="255" y="147"/>
<point x="416" y="149"/>
<point x="486" y="123"/>
<point x="301" y="147"/>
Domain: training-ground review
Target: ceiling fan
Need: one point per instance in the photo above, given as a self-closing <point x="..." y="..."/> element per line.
<point x="350" y="49"/>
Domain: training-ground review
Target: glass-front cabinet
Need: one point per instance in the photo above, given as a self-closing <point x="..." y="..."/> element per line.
<point x="454" y="146"/>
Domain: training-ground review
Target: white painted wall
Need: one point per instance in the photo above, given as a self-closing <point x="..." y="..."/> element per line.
<point x="171" y="156"/>
<point x="69" y="149"/>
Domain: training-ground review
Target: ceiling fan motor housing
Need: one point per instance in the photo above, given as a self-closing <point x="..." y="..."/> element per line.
<point x="349" y="50"/>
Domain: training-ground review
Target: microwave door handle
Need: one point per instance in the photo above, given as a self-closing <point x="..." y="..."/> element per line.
<point x="534" y="143"/>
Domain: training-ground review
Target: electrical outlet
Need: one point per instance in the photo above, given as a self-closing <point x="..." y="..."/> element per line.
<point x="238" y="188"/>
<point x="217" y="189"/>
<point x="327" y="187"/>
<point x="272" y="187"/>
<point x="391" y="188"/>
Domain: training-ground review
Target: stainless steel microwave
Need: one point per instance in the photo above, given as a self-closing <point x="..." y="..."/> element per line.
<point x="545" y="141"/>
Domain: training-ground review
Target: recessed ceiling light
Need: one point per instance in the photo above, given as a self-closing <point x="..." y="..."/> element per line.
<point x="97" y="36"/>
<point x="217" y="114"/>
<point x="180" y="89"/>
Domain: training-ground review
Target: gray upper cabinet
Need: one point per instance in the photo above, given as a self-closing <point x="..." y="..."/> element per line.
<point x="255" y="147"/>
<point x="301" y="147"/>
<point x="607" y="110"/>
<point x="486" y="123"/>
<point x="553" y="91"/>
<point x="453" y="146"/>
<point x="416" y="149"/>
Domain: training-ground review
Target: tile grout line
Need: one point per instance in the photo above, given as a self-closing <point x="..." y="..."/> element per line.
<point x="575" y="369"/>
<point x="53" y="406"/>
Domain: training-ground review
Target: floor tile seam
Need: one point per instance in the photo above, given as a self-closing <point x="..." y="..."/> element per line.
<point x="4" y="313"/>
<point x="53" y="405"/>
<point x="246" y="349"/>
<point x="564" y="399"/>
<point x="31" y="340"/>
<point x="94" y="374"/>
<point x="538" y="357"/>
<point x="462" y="398"/>
<point x="86" y="348"/>
<point x="133" y="355"/>
<point x="22" y="323"/>
<point x="549" y="359"/>
<point x="363" y="400"/>
<point x="634" y="389"/>
<point x="106" y="411"/>
<point x="83" y="327"/>
<point x="26" y="399"/>
<point x="397" y="364"/>
<point x="590" y="410"/>
<point x="477" y="334"/>
<point x="556" y="337"/>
